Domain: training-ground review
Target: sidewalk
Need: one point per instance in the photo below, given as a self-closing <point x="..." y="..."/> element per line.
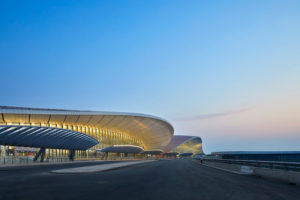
<point x="99" y="168"/>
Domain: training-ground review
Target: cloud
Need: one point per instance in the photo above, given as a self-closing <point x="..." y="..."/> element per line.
<point x="213" y="115"/>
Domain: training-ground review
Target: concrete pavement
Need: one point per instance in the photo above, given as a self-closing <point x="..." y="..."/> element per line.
<point x="165" y="179"/>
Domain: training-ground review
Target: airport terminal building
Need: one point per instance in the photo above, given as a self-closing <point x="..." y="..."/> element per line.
<point x="83" y="134"/>
<point x="183" y="145"/>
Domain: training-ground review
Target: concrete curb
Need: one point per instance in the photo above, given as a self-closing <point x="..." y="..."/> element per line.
<point x="99" y="168"/>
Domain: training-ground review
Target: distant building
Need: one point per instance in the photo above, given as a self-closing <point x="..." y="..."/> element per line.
<point x="184" y="145"/>
<point x="278" y="156"/>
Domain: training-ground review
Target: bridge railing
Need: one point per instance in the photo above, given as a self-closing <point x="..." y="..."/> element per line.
<point x="294" y="166"/>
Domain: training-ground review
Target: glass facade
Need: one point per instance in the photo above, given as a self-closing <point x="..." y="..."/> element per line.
<point x="105" y="137"/>
<point x="276" y="157"/>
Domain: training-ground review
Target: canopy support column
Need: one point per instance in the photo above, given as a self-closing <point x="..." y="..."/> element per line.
<point x="41" y="153"/>
<point x="71" y="154"/>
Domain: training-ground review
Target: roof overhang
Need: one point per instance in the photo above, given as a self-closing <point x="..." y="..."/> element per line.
<point x="154" y="132"/>
<point x="122" y="149"/>
<point x="185" y="154"/>
<point x="171" y="154"/>
<point x="153" y="152"/>
<point x="35" y="136"/>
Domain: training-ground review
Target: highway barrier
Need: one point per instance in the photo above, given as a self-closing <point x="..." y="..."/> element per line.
<point x="294" y="166"/>
<point x="283" y="171"/>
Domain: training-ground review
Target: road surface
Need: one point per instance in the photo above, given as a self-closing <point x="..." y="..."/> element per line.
<point x="162" y="180"/>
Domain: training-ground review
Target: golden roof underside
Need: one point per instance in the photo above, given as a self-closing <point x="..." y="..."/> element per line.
<point x="155" y="133"/>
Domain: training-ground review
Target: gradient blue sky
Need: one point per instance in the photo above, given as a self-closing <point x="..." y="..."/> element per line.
<point x="228" y="71"/>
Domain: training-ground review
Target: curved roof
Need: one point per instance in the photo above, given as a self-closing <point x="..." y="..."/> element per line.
<point x="35" y="136"/>
<point x="153" y="151"/>
<point x="185" y="154"/>
<point x="171" y="153"/>
<point x="184" y="144"/>
<point x="153" y="131"/>
<point x="122" y="149"/>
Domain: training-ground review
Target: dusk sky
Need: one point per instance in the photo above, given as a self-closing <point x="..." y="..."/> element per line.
<point x="227" y="71"/>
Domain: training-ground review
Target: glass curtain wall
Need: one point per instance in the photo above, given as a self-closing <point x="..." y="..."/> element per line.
<point x="105" y="138"/>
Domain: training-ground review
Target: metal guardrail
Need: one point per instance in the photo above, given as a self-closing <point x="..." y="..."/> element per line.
<point x="15" y="160"/>
<point x="294" y="166"/>
<point x="23" y="160"/>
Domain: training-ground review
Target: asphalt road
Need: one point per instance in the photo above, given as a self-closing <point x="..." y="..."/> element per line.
<point x="161" y="180"/>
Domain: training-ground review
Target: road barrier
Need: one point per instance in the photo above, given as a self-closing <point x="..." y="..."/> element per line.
<point x="24" y="160"/>
<point x="294" y="166"/>
<point x="17" y="160"/>
<point x="284" y="171"/>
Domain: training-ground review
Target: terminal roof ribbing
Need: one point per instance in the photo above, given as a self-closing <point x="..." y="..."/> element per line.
<point x="154" y="132"/>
